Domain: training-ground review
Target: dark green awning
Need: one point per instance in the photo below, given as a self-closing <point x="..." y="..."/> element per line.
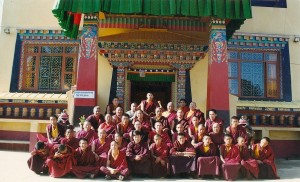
<point x="149" y="77"/>
<point x="65" y="10"/>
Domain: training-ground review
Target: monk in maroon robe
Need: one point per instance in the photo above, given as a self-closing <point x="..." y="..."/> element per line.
<point x="108" y="125"/>
<point x="125" y="127"/>
<point x="194" y="112"/>
<point x="264" y="155"/>
<point x="180" y="129"/>
<point x="60" y="161"/>
<point x="146" y="125"/>
<point x="116" y="165"/>
<point x="101" y="146"/>
<point x="36" y="162"/>
<point x="230" y="157"/>
<point x="249" y="165"/>
<point x="122" y="144"/>
<point x="87" y="133"/>
<point x="149" y="105"/>
<point x="198" y="137"/>
<point x="164" y="135"/>
<point x="183" y="156"/>
<point x="138" y="156"/>
<point x="193" y="127"/>
<point x="183" y="106"/>
<point x="117" y="118"/>
<point x="217" y="137"/>
<point x="96" y="118"/>
<point x="85" y="161"/>
<point x="70" y="139"/>
<point x="159" y="157"/>
<point x="160" y="118"/>
<point x="138" y="127"/>
<point x="213" y="119"/>
<point x="179" y="120"/>
<point x="236" y="130"/>
<point x="170" y="113"/>
<point x="111" y="108"/>
<point x="208" y="163"/>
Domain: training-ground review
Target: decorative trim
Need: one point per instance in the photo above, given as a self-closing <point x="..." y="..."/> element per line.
<point x="43" y="35"/>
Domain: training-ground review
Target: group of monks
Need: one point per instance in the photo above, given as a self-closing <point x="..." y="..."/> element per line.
<point x="150" y="141"/>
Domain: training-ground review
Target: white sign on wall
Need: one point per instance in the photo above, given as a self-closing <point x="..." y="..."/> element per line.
<point x="79" y="94"/>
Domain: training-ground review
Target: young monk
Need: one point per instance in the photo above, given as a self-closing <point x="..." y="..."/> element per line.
<point x="111" y="108"/>
<point x="183" y="156"/>
<point x="208" y="163"/>
<point x="264" y="155"/>
<point x="116" y="166"/>
<point x="213" y="119"/>
<point x="194" y="112"/>
<point x="100" y="147"/>
<point x="230" y="157"/>
<point x="236" y="130"/>
<point x="198" y="137"/>
<point x="170" y="113"/>
<point x="138" y="127"/>
<point x="117" y="118"/>
<point x="125" y="127"/>
<point x="164" y="135"/>
<point x="60" y="161"/>
<point x="36" y="162"/>
<point x="160" y="118"/>
<point x="193" y="127"/>
<point x="55" y="132"/>
<point x="183" y="106"/>
<point x="96" y="118"/>
<point x="159" y="157"/>
<point x="216" y="135"/>
<point x="146" y="125"/>
<point x="179" y="120"/>
<point x="138" y="156"/>
<point x="249" y="165"/>
<point x="122" y="144"/>
<point x="108" y="125"/>
<point x="148" y="106"/>
<point x="87" y="132"/>
<point x="70" y="139"/>
<point x="180" y="129"/>
<point x="85" y="161"/>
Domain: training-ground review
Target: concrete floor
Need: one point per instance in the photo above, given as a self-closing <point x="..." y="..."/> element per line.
<point x="14" y="168"/>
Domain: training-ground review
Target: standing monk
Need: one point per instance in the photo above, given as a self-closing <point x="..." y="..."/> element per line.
<point x="116" y="165"/>
<point x="101" y="146"/>
<point x="230" y="157"/>
<point x="264" y="155"/>
<point x="87" y="132"/>
<point x="96" y="118"/>
<point x="213" y="119"/>
<point x="36" y="162"/>
<point x="194" y="112"/>
<point x="149" y="105"/>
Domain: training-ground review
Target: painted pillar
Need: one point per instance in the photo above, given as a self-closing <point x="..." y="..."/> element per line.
<point x="87" y="69"/>
<point x="217" y="83"/>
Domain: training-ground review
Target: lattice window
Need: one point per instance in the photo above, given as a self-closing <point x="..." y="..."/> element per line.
<point x="49" y="67"/>
<point x="253" y="74"/>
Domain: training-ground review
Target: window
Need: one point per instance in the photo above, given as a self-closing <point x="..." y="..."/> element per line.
<point x="269" y="3"/>
<point x="49" y="67"/>
<point x="253" y="74"/>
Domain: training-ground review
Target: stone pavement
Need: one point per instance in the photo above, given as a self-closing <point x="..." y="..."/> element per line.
<point x="14" y="169"/>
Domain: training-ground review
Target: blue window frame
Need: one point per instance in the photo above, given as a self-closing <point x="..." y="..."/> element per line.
<point x="269" y="3"/>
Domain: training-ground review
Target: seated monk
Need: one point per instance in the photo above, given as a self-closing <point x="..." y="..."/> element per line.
<point x="208" y="163"/>
<point x="87" y="133"/>
<point x="217" y="136"/>
<point x="264" y="155"/>
<point x="159" y="157"/>
<point x="108" y="125"/>
<point x="125" y="127"/>
<point x="70" y="139"/>
<point x="60" y="161"/>
<point x="36" y="162"/>
<point x="212" y="118"/>
<point x="180" y="129"/>
<point x="96" y="118"/>
<point x="111" y="108"/>
<point x="116" y="166"/>
<point x="138" y="127"/>
<point x="101" y="146"/>
<point x="170" y="113"/>
<point x="194" y="112"/>
<point x="183" y="156"/>
<point x="193" y="127"/>
<point x="131" y="112"/>
<point x="236" y="130"/>
<point x="198" y="137"/>
<point x="146" y="125"/>
<point x="160" y="118"/>
<point x="249" y="165"/>
<point x="122" y="144"/>
<point x="230" y="157"/>
<point x="85" y="161"/>
<point x="138" y="156"/>
<point x="183" y="106"/>
<point x="164" y="135"/>
<point x="179" y="120"/>
<point x="117" y="118"/>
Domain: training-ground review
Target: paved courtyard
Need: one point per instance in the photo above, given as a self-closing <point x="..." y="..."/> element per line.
<point x="14" y="169"/>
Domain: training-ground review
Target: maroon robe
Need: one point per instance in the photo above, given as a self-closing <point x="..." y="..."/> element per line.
<point x="116" y="119"/>
<point x="158" y="170"/>
<point x="217" y="138"/>
<point x="149" y="107"/>
<point x="37" y="162"/>
<point x="174" y="136"/>
<point x="232" y="164"/>
<point x="164" y="136"/>
<point x="61" y="134"/>
<point x="196" y="113"/>
<point x="120" y="163"/>
<point x="170" y="116"/>
<point x="240" y="132"/>
<point x="162" y="120"/>
<point x="208" y="162"/>
<point x="101" y="150"/>
<point x="193" y="131"/>
<point x="146" y="125"/>
<point x="209" y="124"/>
<point x="142" y="166"/>
<point x="73" y="142"/>
<point x="90" y="135"/>
<point x="266" y="155"/>
<point x="85" y="163"/>
<point x="123" y="146"/>
<point x="95" y="122"/>
<point x="249" y="165"/>
<point x="183" y="122"/>
<point x="181" y="164"/>
<point x="185" y="109"/>
<point x="61" y="166"/>
<point x="125" y="130"/>
<point x="109" y="128"/>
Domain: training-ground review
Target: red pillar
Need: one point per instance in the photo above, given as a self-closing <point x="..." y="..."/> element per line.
<point x="217" y="83"/>
<point x="86" y="92"/>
